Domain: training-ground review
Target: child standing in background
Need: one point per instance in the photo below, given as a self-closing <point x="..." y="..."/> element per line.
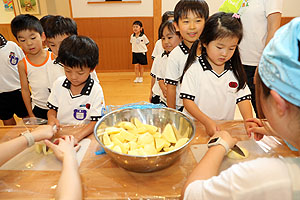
<point x="11" y="101"/>
<point x="139" y="43"/>
<point x="158" y="48"/>
<point x="76" y="98"/>
<point x="170" y="39"/>
<point x="215" y="82"/>
<point x="28" y="31"/>
<point x="189" y="17"/>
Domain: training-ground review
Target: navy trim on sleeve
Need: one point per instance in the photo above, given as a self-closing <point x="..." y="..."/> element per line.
<point x="187" y="96"/>
<point x="95" y="118"/>
<point x="247" y="97"/>
<point x="50" y="106"/>
<point x="171" y="82"/>
<point x="153" y="75"/>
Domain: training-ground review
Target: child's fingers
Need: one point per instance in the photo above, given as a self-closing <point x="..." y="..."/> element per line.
<point x="50" y="144"/>
<point x="258" y="136"/>
<point x="77" y="147"/>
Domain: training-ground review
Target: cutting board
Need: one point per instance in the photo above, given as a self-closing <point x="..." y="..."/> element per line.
<point x="254" y="149"/>
<point x="29" y="159"/>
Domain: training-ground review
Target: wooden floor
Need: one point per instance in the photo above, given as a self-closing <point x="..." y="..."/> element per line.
<point x="119" y="89"/>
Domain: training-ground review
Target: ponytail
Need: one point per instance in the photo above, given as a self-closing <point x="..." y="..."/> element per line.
<point x="191" y="58"/>
<point x="238" y="69"/>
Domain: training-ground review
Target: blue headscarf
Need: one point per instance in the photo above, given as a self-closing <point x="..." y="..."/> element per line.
<point x="279" y="67"/>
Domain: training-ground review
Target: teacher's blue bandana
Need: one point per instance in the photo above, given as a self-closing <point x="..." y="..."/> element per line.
<point x="279" y="67"/>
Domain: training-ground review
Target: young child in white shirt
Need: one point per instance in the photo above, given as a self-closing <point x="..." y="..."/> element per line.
<point x="139" y="43"/>
<point x="11" y="101"/>
<point x="76" y="98"/>
<point x="215" y="82"/>
<point x="170" y="39"/>
<point x="189" y="19"/>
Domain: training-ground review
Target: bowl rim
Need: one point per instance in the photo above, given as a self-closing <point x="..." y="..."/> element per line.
<point x="146" y="156"/>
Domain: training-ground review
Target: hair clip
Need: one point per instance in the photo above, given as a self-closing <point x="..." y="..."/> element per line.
<point x="235" y="15"/>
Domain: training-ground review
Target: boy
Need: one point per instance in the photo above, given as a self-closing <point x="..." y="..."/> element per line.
<point x="11" y="101"/>
<point x="189" y="20"/>
<point x="28" y="31"/>
<point x="57" y="28"/>
<point x="76" y="98"/>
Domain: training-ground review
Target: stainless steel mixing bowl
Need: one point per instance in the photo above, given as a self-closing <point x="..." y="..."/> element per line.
<point x="159" y="117"/>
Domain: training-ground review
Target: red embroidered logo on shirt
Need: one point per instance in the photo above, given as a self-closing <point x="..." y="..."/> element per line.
<point x="233" y="84"/>
<point x="88" y="106"/>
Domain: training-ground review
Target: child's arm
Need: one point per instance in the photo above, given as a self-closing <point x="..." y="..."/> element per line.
<point x="152" y="84"/>
<point x="163" y="87"/>
<point x="82" y="133"/>
<point x="246" y="112"/>
<point x="69" y="184"/>
<point x="52" y="118"/>
<point x="25" y="88"/>
<point x="210" y="125"/>
<point x="171" y="96"/>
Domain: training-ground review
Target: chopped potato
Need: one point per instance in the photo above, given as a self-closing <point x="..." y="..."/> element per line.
<point x="136" y="138"/>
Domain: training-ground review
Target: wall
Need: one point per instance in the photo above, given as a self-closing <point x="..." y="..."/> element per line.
<point x="5" y="16"/>
<point x="82" y="9"/>
<point x="290" y="7"/>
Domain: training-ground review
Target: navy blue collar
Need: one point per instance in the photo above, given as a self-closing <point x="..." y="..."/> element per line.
<point x="165" y="54"/>
<point x="3" y="41"/>
<point x="184" y="48"/>
<point x="141" y="34"/>
<point x="86" y="90"/>
<point x="206" y="66"/>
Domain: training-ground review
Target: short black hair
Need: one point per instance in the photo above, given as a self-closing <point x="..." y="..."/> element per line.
<point x="199" y="7"/>
<point x="44" y="19"/>
<point x="59" y="25"/>
<point x="78" y="51"/>
<point x="25" y="22"/>
<point x="169" y="24"/>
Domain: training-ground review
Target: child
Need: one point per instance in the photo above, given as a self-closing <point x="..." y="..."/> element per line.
<point x="139" y="41"/>
<point x="11" y="101"/>
<point x="76" y="98"/>
<point x="278" y="92"/>
<point x="57" y="28"/>
<point x="216" y="81"/>
<point x="189" y="16"/>
<point x="28" y="31"/>
<point x="158" y="48"/>
<point x="170" y="39"/>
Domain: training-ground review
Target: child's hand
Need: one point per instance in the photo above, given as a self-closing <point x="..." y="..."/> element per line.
<point x="150" y="97"/>
<point x="211" y="127"/>
<point x="64" y="147"/>
<point x="54" y="121"/>
<point x="227" y="137"/>
<point x="43" y="132"/>
<point x="258" y="129"/>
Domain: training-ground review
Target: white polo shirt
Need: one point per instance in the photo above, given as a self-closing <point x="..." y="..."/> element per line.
<point x="78" y="109"/>
<point x="175" y="67"/>
<point x="262" y="178"/>
<point x="254" y="15"/>
<point x="139" y="44"/>
<point x="54" y="70"/>
<point x="10" y="55"/>
<point x="215" y="94"/>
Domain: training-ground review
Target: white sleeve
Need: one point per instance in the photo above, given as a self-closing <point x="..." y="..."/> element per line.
<point x="19" y="51"/>
<point x="262" y="178"/>
<point x="154" y="68"/>
<point x="146" y="41"/>
<point x="273" y="6"/>
<point x="52" y="102"/>
<point x="190" y="83"/>
<point x="131" y="38"/>
<point x="97" y="104"/>
<point x="243" y="94"/>
<point x="156" y="49"/>
<point x="172" y="70"/>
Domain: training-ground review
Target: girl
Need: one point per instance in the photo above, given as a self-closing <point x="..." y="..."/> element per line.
<point x="170" y="39"/>
<point x="139" y="41"/>
<point x="216" y="81"/>
<point x="278" y="99"/>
